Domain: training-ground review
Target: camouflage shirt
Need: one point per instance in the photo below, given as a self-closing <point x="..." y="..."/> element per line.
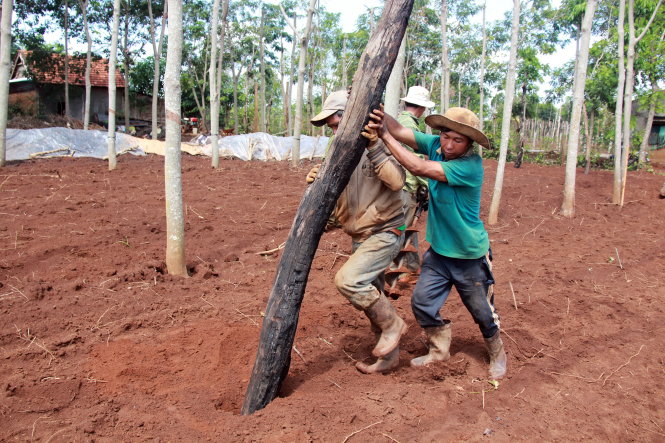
<point x="410" y="121"/>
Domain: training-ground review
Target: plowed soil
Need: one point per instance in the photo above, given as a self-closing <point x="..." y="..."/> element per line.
<point x="99" y="343"/>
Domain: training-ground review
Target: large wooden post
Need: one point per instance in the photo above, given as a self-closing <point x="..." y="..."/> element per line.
<point x="273" y="356"/>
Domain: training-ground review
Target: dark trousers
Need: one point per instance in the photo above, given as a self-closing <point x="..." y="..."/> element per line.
<point x="474" y="282"/>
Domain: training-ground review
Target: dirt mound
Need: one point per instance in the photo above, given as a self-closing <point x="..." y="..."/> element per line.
<point x="98" y="342"/>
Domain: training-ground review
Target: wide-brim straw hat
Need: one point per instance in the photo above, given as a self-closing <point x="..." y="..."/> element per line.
<point x="335" y="102"/>
<point x="419" y="96"/>
<point x="462" y="121"/>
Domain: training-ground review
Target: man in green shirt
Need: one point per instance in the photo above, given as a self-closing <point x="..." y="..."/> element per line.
<point x="459" y="251"/>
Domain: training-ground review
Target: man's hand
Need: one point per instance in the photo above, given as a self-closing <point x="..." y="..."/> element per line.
<point x="311" y="176"/>
<point x="376" y="122"/>
<point x="371" y="135"/>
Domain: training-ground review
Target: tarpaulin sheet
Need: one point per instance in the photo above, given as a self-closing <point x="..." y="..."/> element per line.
<point x="21" y="143"/>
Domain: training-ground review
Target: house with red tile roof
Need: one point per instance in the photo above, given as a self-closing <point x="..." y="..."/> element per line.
<point x="37" y="87"/>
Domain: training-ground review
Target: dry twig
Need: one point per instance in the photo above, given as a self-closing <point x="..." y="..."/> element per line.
<point x="622" y="366"/>
<point x="360" y="430"/>
<point x="271" y="251"/>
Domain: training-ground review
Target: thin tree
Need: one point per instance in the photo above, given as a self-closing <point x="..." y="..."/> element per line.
<point x="66" y="36"/>
<point x="302" y="58"/>
<point x="616" y="188"/>
<point x="493" y="215"/>
<point x="394" y="86"/>
<point x="175" y="221"/>
<point x="157" y="48"/>
<point x="214" y="87"/>
<point x="445" y="62"/>
<point x="88" y="62"/>
<point x="112" y="85"/>
<point x="5" y="67"/>
<point x="630" y="82"/>
<point x="568" y="206"/>
<point x="481" y="113"/>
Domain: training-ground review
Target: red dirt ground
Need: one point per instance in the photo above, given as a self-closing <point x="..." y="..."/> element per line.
<point x="100" y="343"/>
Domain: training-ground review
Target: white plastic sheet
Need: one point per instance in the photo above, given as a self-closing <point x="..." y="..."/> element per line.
<point x="21" y="143"/>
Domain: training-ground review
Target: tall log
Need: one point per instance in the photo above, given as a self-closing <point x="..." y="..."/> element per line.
<point x="273" y="356"/>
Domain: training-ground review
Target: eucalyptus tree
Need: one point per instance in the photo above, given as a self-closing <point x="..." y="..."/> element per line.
<point x="493" y="215"/>
<point x="196" y="57"/>
<point x="216" y="55"/>
<point x="175" y="221"/>
<point x="633" y="40"/>
<point x="5" y="67"/>
<point x="112" y="85"/>
<point x="568" y="205"/>
<point x="83" y="6"/>
<point x="157" y="49"/>
<point x="134" y="22"/>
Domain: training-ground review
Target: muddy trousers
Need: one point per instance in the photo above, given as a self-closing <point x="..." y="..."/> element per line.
<point x="361" y="278"/>
<point x="474" y="282"/>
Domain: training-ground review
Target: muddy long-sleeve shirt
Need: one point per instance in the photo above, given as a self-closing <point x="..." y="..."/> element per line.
<point x="372" y="201"/>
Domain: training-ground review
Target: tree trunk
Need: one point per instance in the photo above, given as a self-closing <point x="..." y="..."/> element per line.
<point x="568" y="206"/>
<point x="481" y="110"/>
<point x="262" y="104"/>
<point x="493" y="215"/>
<point x="647" y="129"/>
<point x="628" y="92"/>
<point x="157" y="47"/>
<point x="394" y="86"/>
<point x="445" y="64"/>
<point x="214" y="88"/>
<point x="88" y="64"/>
<point x="294" y="46"/>
<point x="5" y="68"/>
<point x="125" y="62"/>
<point x="345" y="71"/>
<point x="297" y="126"/>
<point x="112" y="85"/>
<point x="68" y="113"/>
<point x="587" y="139"/>
<point x="175" y="221"/>
<point x="279" y="325"/>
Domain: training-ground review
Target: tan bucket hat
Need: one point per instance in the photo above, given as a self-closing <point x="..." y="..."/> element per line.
<point x="335" y="102"/>
<point x="418" y="95"/>
<point x="460" y="120"/>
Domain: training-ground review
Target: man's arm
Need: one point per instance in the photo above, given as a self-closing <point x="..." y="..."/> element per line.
<point x="415" y="165"/>
<point x="397" y="130"/>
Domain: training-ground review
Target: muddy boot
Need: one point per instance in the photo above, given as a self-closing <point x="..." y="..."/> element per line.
<point x="382" y="314"/>
<point x="439" y="338"/>
<point x="382" y="364"/>
<point x="498" y="359"/>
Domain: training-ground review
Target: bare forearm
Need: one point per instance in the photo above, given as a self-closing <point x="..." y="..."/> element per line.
<point x="401" y="133"/>
<point x="414" y="164"/>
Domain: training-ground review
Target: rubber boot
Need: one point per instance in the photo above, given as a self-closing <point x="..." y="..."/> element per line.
<point x="439" y="338"/>
<point x="382" y="364"/>
<point x="498" y="360"/>
<point x="382" y="314"/>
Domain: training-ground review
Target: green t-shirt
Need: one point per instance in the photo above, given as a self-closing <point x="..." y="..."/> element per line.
<point x="408" y="120"/>
<point x="454" y="228"/>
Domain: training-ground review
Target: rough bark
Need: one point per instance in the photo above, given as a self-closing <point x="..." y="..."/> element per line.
<point x="493" y="215"/>
<point x="5" y="67"/>
<point x="281" y="319"/>
<point x="175" y="221"/>
<point x="568" y="205"/>
<point x="112" y="85"/>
